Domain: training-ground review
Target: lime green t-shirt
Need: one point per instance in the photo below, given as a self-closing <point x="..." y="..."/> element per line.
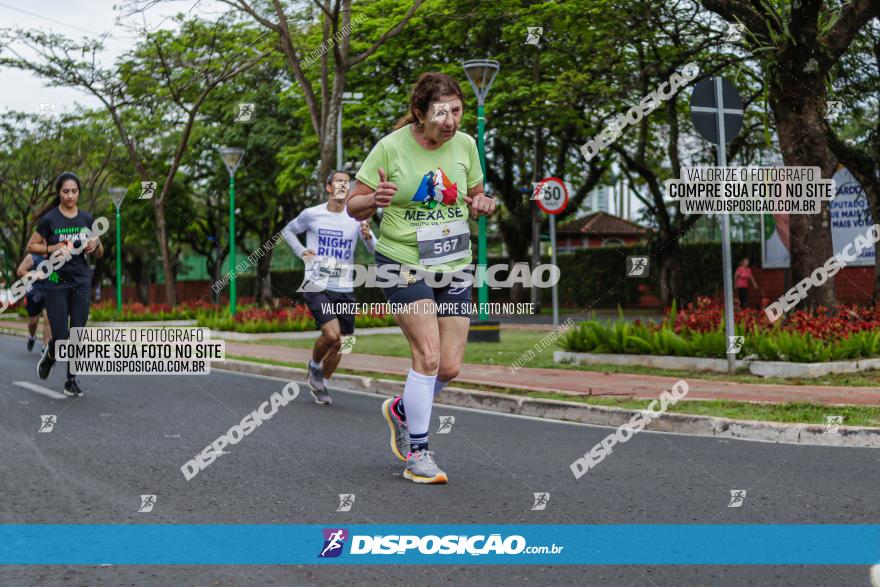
<point x="425" y="179"/>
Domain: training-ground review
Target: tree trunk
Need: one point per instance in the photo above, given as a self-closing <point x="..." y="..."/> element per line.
<point x="328" y="138"/>
<point x="143" y="292"/>
<point x="141" y="281"/>
<point x="669" y="270"/>
<point x="516" y="233"/>
<point x="264" y="279"/>
<point x="214" y="264"/>
<point x="802" y="138"/>
<point x="167" y="267"/>
<point x="517" y="251"/>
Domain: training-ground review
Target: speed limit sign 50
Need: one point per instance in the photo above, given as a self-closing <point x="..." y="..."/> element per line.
<point x="551" y="195"/>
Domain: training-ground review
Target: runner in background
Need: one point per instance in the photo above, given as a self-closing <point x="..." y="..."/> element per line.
<point x="427" y="177"/>
<point x="68" y="298"/>
<point x="35" y="301"/>
<point x="328" y="255"/>
<point x="743" y="275"/>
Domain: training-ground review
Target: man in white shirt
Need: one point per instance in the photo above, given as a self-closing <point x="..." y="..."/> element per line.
<point x="328" y="255"/>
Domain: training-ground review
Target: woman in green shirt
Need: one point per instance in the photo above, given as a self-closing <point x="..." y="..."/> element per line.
<point x="426" y="176"/>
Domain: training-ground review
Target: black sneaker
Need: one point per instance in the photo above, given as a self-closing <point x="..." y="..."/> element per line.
<point x="72" y="389"/>
<point x="30" y="343"/>
<point x="45" y="364"/>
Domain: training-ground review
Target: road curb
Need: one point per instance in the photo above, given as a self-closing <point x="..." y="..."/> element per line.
<point x="781" y="369"/>
<point x="807" y="434"/>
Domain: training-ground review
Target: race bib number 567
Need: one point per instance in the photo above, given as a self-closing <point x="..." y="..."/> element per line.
<point x="443" y="242"/>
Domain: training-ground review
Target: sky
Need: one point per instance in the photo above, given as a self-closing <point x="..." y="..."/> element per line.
<point x="76" y="19"/>
<point x="89" y="18"/>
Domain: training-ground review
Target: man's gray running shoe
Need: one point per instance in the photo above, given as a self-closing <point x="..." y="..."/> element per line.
<point x="316" y="377"/>
<point x="317" y="386"/>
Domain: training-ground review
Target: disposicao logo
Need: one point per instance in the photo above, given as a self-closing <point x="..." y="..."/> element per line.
<point x="472" y="545"/>
<point x="334" y="541"/>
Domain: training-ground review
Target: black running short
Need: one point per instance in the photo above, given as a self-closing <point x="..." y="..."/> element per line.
<point x="332" y="305"/>
<point x="453" y="299"/>
<point x="35" y="301"/>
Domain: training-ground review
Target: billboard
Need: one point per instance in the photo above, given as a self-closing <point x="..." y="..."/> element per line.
<point x="850" y="215"/>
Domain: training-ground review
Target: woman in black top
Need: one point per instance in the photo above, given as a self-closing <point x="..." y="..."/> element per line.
<point x="68" y="293"/>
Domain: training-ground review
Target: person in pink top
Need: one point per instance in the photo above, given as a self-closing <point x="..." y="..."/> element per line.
<point x="743" y="276"/>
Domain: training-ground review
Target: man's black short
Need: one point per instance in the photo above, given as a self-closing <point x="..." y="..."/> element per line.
<point x="332" y="305"/>
<point x="35" y="302"/>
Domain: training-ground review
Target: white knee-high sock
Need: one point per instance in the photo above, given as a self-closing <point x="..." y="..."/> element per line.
<point x="418" y="397"/>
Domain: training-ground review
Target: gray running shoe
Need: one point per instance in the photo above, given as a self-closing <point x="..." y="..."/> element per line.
<point x="321" y="397"/>
<point x="399" y="431"/>
<point x="421" y="468"/>
<point x="316" y="377"/>
<point x="317" y="387"/>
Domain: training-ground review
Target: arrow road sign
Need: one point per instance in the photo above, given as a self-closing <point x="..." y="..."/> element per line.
<point x="705" y="111"/>
<point x="717" y="114"/>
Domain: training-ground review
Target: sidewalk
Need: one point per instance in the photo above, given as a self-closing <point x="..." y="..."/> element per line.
<point x="567" y="381"/>
<point x="545" y="321"/>
<point x="584" y="382"/>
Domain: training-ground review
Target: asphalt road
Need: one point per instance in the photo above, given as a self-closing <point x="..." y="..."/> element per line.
<point x="129" y="436"/>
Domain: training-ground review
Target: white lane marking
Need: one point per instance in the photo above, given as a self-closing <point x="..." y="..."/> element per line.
<point x="40" y="389"/>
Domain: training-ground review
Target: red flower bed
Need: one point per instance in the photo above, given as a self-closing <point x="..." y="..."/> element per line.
<point x="707" y="315"/>
<point x="297" y="312"/>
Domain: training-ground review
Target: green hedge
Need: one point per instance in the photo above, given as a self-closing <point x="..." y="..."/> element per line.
<point x="769" y="345"/>
<point x="591" y="278"/>
<point x="596" y="278"/>
<point x="285" y="283"/>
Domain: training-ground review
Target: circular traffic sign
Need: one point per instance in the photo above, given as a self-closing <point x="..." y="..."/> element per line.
<point x="554" y="195"/>
<point x="705" y="111"/>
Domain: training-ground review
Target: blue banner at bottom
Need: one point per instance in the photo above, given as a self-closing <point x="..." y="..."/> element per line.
<point x="270" y="544"/>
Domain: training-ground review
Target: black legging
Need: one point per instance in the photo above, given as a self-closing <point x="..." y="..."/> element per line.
<point x="63" y="304"/>
<point x="743" y="293"/>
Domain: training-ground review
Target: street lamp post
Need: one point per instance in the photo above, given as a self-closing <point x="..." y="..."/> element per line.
<point x="347" y="98"/>
<point x="117" y="195"/>
<point x="481" y="73"/>
<point x="231" y="158"/>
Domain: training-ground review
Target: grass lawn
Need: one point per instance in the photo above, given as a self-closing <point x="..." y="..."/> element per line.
<point x="789" y="412"/>
<point x="515" y="342"/>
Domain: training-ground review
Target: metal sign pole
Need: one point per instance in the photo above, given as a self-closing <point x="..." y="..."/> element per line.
<point x="725" y="230"/>
<point x="553" y="201"/>
<point x="536" y="253"/>
<point x="553" y="261"/>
